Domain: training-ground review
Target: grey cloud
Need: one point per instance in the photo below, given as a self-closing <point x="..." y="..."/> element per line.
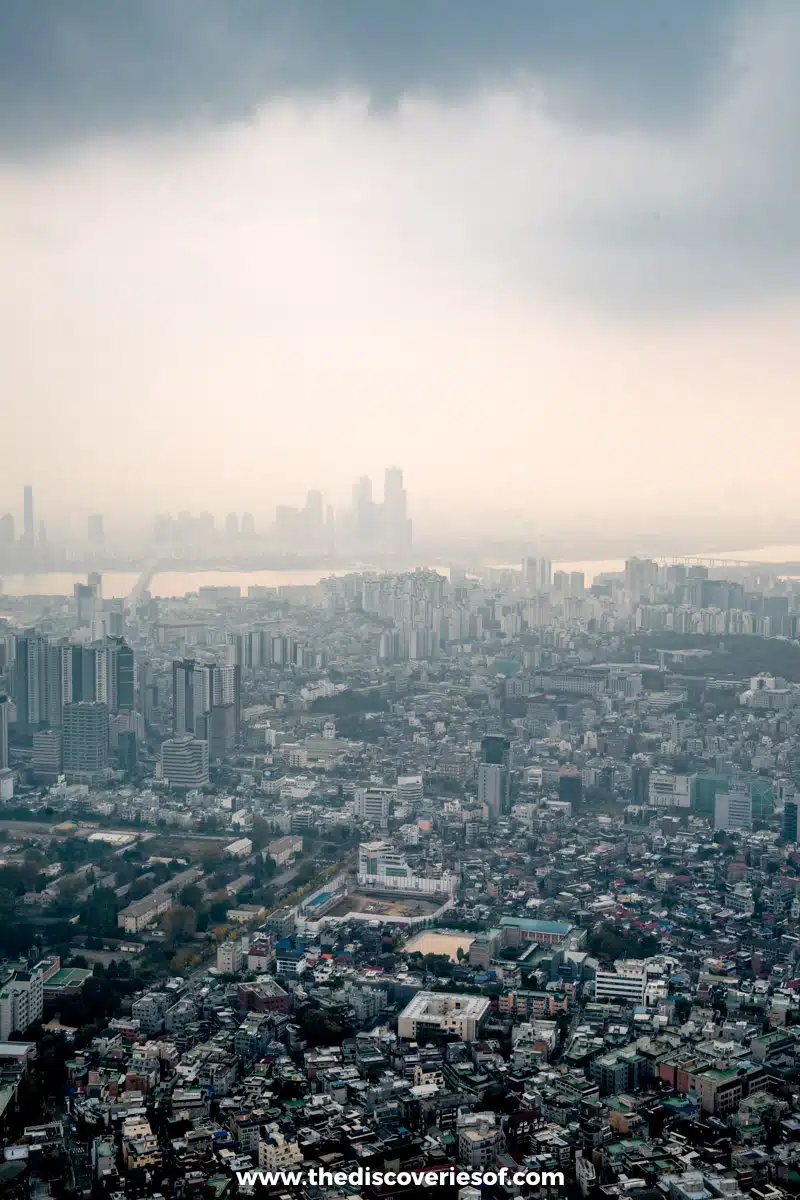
<point x="71" y="69"/>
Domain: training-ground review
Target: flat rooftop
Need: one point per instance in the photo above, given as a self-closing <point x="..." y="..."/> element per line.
<point x="432" y="1005"/>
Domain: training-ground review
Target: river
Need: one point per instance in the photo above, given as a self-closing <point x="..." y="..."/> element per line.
<point x="117" y="584"/>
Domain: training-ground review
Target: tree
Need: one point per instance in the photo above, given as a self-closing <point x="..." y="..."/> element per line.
<point x="260" y="833"/>
<point x="7" y="902"/>
<point x="191" y="896"/>
<point x="180" y="922"/>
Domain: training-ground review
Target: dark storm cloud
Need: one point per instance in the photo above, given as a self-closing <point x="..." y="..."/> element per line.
<point x="76" y="68"/>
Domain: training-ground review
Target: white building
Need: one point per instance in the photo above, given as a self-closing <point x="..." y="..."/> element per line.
<point x="668" y="790"/>
<point x="282" y="849"/>
<point x="141" y="913"/>
<point x="21" y="1002"/>
<point x="382" y="868"/>
<point x="734" y="809"/>
<point x="373" y="805"/>
<point x="480" y="1140"/>
<point x="230" y="957"/>
<point x="275" y="1153"/>
<point x="491" y="787"/>
<point x="241" y="848"/>
<point x="409" y="789"/>
<point x="433" y="1012"/>
<point x="184" y="762"/>
<point x="628" y="981"/>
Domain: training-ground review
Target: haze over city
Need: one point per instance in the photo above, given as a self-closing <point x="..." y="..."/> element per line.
<point x="399" y="599"/>
<point x="545" y="262"/>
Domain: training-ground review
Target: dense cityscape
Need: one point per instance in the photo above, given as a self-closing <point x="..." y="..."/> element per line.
<point x="431" y="870"/>
<point x="399" y="600"/>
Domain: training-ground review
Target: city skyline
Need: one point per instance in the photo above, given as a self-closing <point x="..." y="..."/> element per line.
<point x="535" y="242"/>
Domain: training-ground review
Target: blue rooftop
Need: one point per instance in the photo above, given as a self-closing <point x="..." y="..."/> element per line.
<point x="534" y="926"/>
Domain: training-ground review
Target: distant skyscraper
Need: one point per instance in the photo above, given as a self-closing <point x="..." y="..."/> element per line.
<point x="27" y="517"/>
<point x="6" y="530"/>
<point x="28" y="678"/>
<point x="364" y="508"/>
<point x="577" y="583"/>
<point x="95" y="530"/>
<point x="3" y="731"/>
<point x="191" y="698"/>
<point x="537" y="572"/>
<point x="640" y="574"/>
<point x="494" y="775"/>
<point x="790" y="820"/>
<point x="85" y="746"/>
<point x="248" y="525"/>
<point x="397" y="527"/>
<point x="58" y="681"/>
<point x="226" y="689"/>
<point x="313" y="514"/>
<point x="231" y="527"/>
<point x="86" y="603"/>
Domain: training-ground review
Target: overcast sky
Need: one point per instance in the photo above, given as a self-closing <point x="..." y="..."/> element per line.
<point x="543" y="255"/>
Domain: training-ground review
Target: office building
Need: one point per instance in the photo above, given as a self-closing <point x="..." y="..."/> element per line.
<point x="191" y="698"/>
<point x="409" y="789"/>
<point x="222" y="731"/>
<point x="734" y="809"/>
<point x="7" y="531"/>
<point x="790" y="820"/>
<point x="432" y="1013"/>
<point x="184" y="761"/>
<point x="85" y="745"/>
<point x="373" y="805"/>
<point x="665" y="789"/>
<point x="123" y="675"/>
<point x="47" y="754"/>
<point x="628" y="981"/>
<point x="206" y="702"/>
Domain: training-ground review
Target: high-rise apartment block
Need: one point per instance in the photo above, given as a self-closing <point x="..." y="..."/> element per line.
<point x="85" y="747"/>
<point x="494" y="775"/>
